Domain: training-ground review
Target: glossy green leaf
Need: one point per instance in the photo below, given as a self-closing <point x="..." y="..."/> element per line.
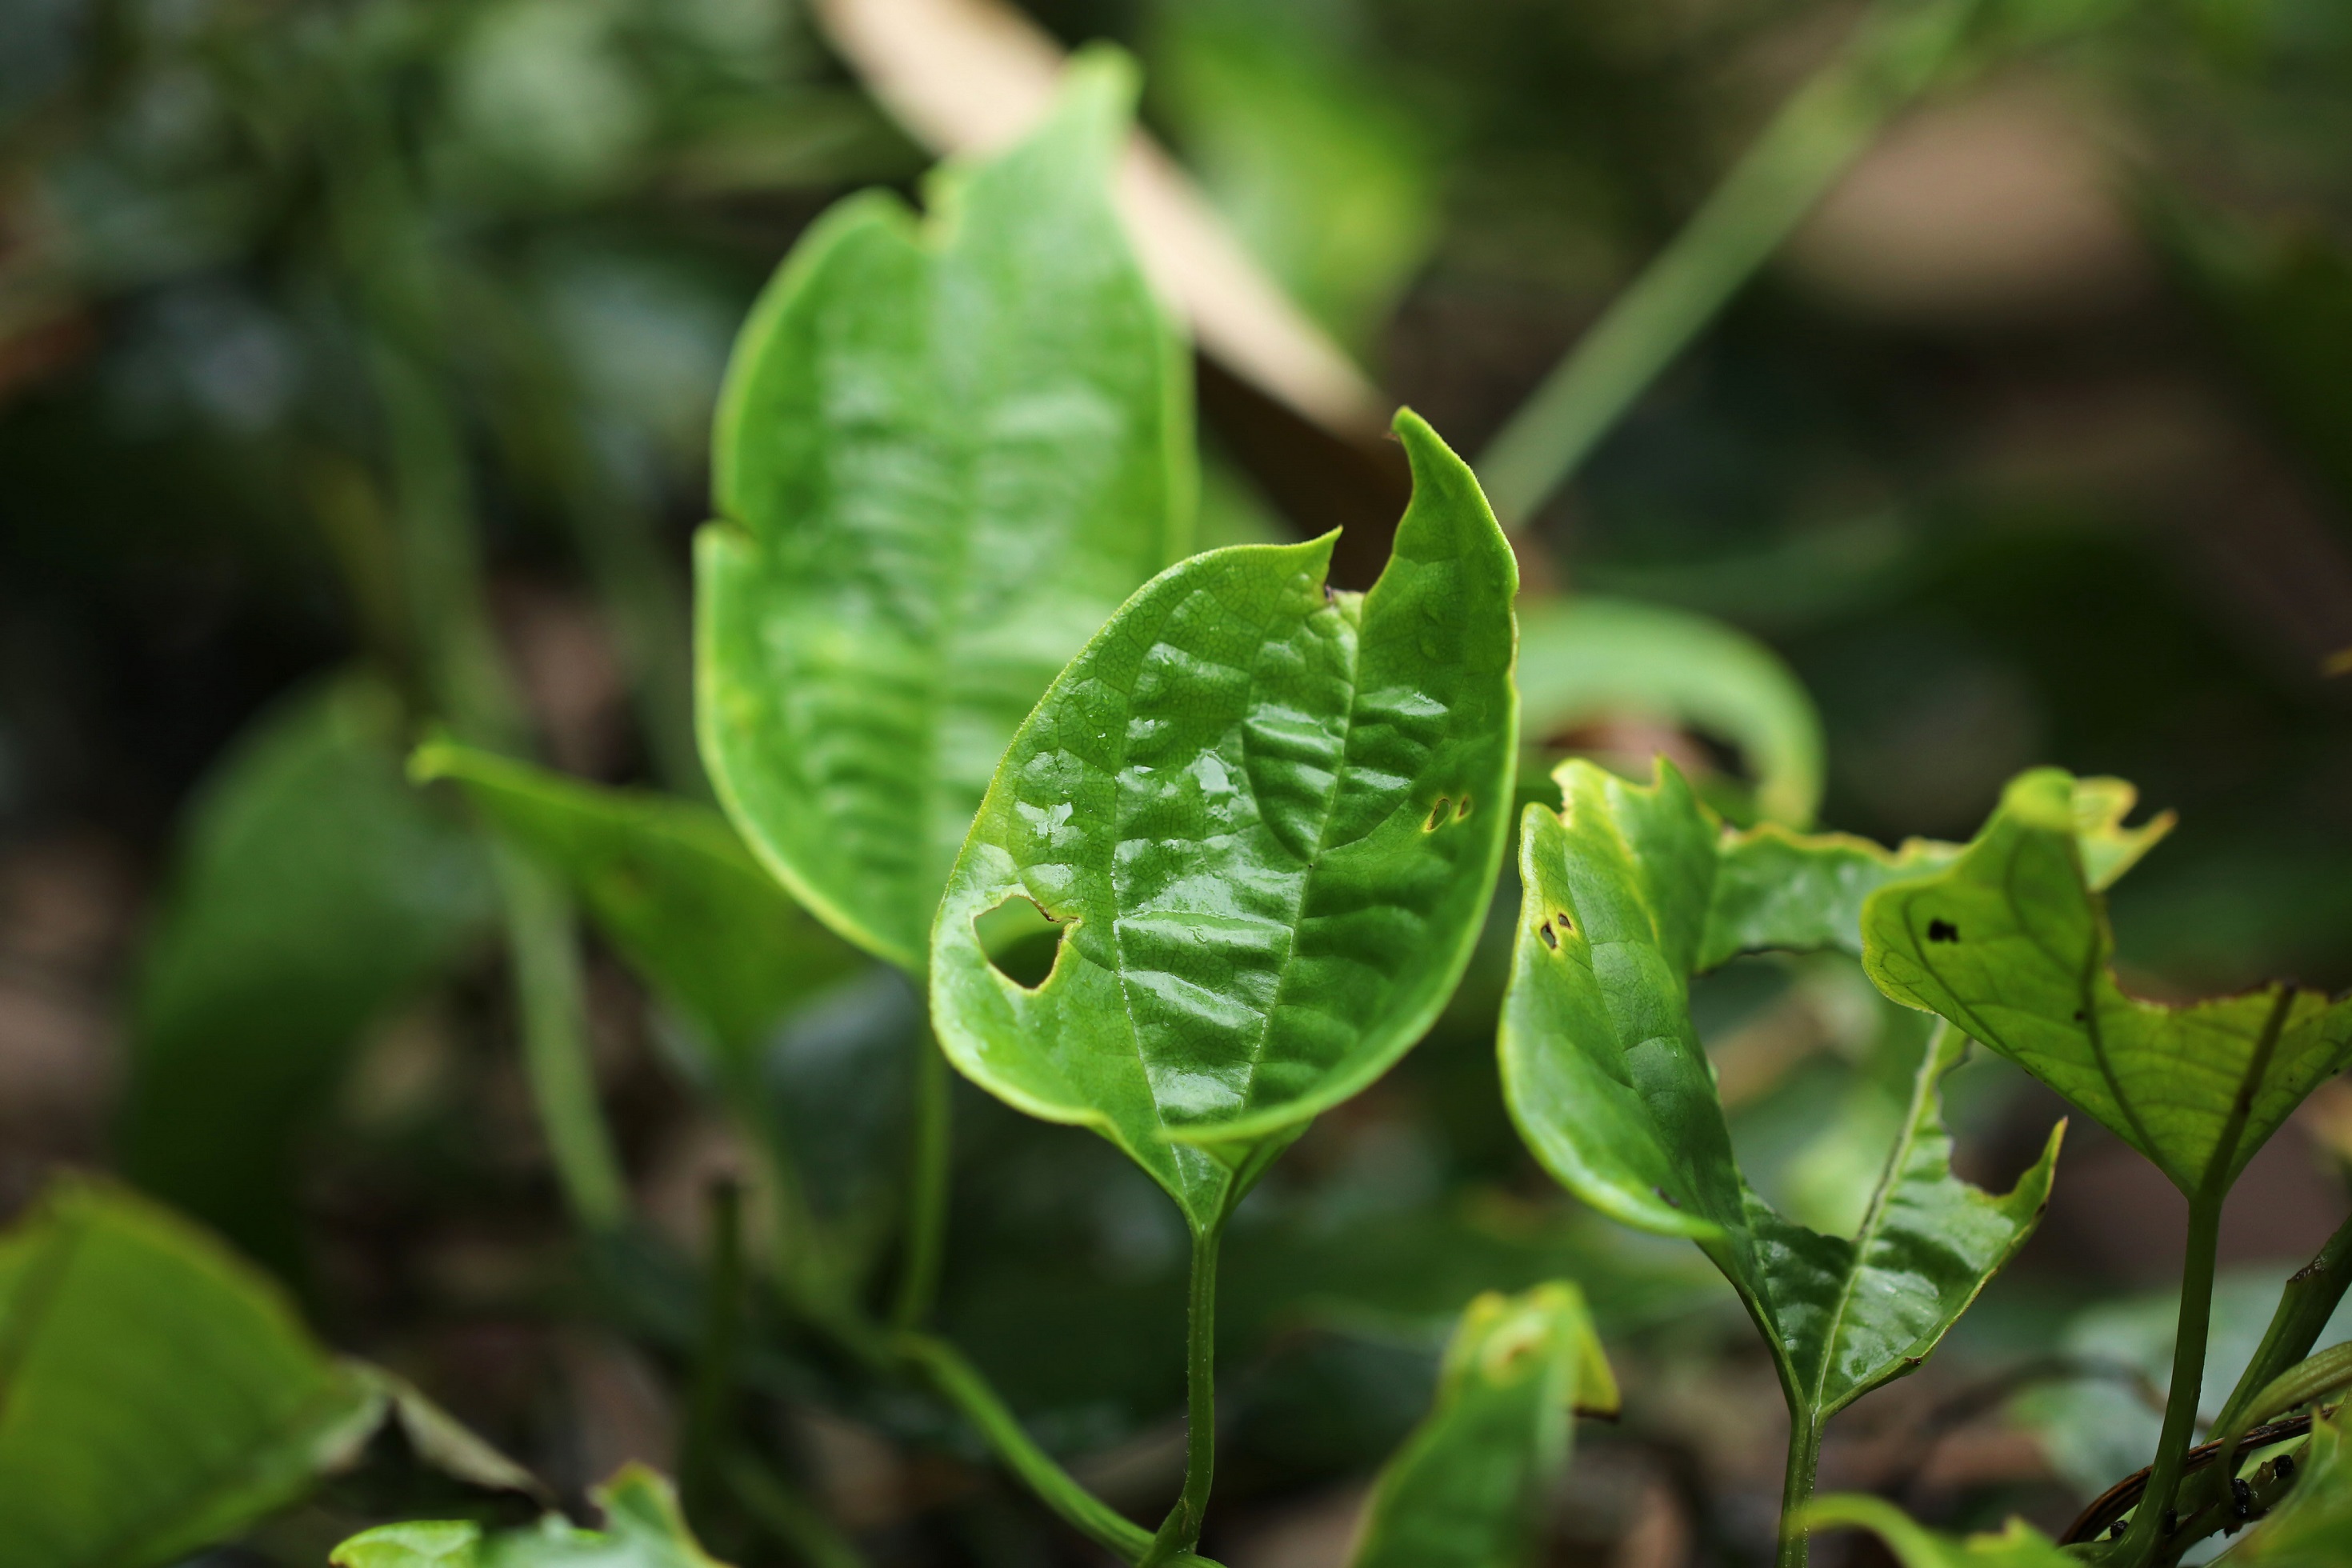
<point x="643" y="1529"/>
<point x="1630" y="890"/>
<point x="315" y="889"/>
<point x="1466" y="1490"/>
<point x="669" y="884"/>
<point x="1583" y="660"/>
<point x="2019" y="1545"/>
<point x="1269" y="817"/>
<point x="945" y="452"/>
<point x="2011" y="943"/>
<point x="156" y="1393"/>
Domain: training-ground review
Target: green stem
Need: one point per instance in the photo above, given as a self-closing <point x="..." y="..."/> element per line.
<point x="2306" y="1303"/>
<point x="1797" y="1485"/>
<point x="710" y="1403"/>
<point x="961" y="1385"/>
<point x="546" y="960"/>
<point x="1897" y="53"/>
<point x="927" y="1170"/>
<point x="1181" y="1531"/>
<point x="2146" y="1536"/>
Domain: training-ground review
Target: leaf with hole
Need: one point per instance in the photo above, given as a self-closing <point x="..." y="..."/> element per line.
<point x="1628" y="891"/>
<point x="944" y="454"/>
<point x="1269" y="817"/>
<point x="2010" y="942"/>
<point x="1466" y="1490"/>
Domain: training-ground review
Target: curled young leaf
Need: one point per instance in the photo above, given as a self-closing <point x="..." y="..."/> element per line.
<point x="1268" y="819"/>
<point x="1630" y="890"/>
<point x="2011" y="943"/>
<point x="1465" y="1490"/>
<point x="944" y="453"/>
<point x="1585" y="658"/>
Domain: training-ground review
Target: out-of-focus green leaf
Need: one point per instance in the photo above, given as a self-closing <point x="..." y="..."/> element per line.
<point x="2019" y="1545"/>
<point x="944" y="454"/>
<point x="1465" y="1490"/>
<point x="2011" y="943"/>
<point x="1624" y="900"/>
<point x="1586" y="658"/>
<point x="2284" y="302"/>
<point x="315" y="889"/>
<point x="1269" y="818"/>
<point x="670" y="885"/>
<point x="1319" y="171"/>
<point x="156" y="1393"/>
<point x="643" y="1529"/>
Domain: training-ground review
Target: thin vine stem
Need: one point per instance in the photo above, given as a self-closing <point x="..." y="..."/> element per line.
<point x="960" y="1383"/>
<point x="1896" y="53"/>
<point x="928" y="1169"/>
<point x="2146" y="1535"/>
<point x="1180" y="1532"/>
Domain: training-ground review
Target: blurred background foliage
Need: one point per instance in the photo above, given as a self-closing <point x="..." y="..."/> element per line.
<point x="356" y="362"/>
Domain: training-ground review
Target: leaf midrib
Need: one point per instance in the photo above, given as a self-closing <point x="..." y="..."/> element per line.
<point x="1873" y="1220"/>
<point x="1354" y="632"/>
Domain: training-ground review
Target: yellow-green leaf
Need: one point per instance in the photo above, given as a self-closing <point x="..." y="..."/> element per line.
<point x="2011" y="943"/>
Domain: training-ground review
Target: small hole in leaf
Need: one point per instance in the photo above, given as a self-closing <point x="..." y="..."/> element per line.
<point x="1943" y="931"/>
<point x="1019" y="939"/>
<point x="1565" y="923"/>
<point x="1461" y="809"/>
<point x="1436" y="816"/>
<point x="1550" y="941"/>
<point x="1672" y="1202"/>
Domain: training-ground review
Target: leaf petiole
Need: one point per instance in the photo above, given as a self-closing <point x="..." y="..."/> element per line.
<point x="1181" y="1531"/>
<point x="961" y="1384"/>
<point x="928" y="1164"/>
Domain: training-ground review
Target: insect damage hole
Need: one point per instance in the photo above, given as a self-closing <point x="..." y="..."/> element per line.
<point x="1019" y="939"/>
<point x="1942" y="930"/>
<point x="1436" y="814"/>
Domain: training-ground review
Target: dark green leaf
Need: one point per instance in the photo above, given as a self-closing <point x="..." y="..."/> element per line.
<point x="2020" y="1545"/>
<point x="1627" y="892"/>
<point x="1466" y="1490"/>
<point x="669" y="884"/>
<point x="315" y="890"/>
<point x="1586" y="658"/>
<point x="643" y="1529"/>
<point x="945" y="453"/>
<point x="1269" y="817"/>
<point x="156" y="1393"/>
<point x="2011" y="943"/>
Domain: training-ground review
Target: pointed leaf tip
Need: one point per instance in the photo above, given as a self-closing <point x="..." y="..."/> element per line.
<point x="1272" y="818"/>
